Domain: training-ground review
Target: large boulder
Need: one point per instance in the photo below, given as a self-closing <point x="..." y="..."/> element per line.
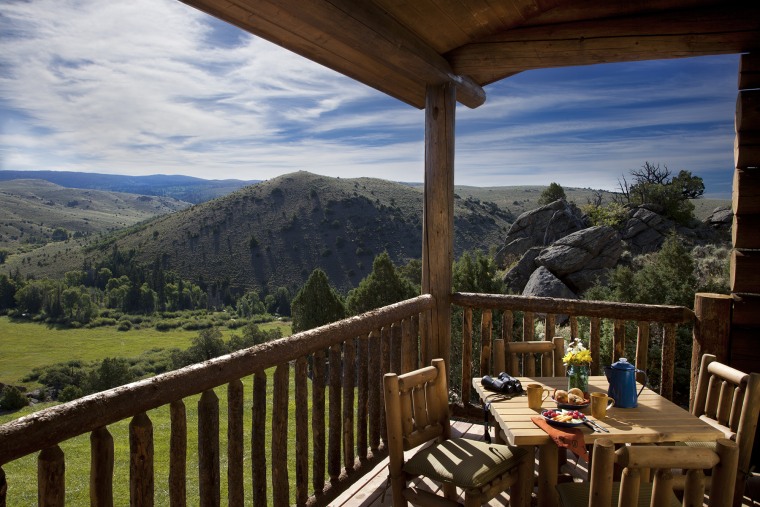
<point x="518" y="276"/>
<point x="543" y="283"/>
<point x="591" y="250"/>
<point x="645" y="231"/>
<point x="540" y="227"/>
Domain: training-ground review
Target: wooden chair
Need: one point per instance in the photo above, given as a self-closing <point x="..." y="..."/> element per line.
<point x="417" y="412"/>
<point x="508" y="356"/>
<point x="729" y="400"/>
<point x="634" y="489"/>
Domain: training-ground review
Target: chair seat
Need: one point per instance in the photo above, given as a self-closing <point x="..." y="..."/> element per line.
<point x="575" y="494"/>
<point x="463" y="462"/>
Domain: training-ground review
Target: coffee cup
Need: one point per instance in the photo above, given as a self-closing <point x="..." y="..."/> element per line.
<point x="536" y="395"/>
<point x="600" y="403"/>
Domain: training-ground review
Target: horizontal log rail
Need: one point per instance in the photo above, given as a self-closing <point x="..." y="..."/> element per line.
<point x="499" y="353"/>
<point x="366" y="346"/>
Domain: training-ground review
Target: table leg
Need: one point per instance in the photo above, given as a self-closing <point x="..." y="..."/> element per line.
<point x="548" y="456"/>
<point x="523" y="490"/>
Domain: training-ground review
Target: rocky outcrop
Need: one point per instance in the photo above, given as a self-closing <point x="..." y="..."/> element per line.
<point x="543" y="283"/>
<point x="540" y="227"/>
<point x="518" y="276"/>
<point x="721" y="218"/>
<point x="645" y="230"/>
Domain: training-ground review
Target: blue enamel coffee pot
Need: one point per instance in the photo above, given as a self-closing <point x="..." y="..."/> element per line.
<point x="622" y="379"/>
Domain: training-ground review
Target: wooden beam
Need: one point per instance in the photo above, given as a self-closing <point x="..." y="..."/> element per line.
<point x="673" y="34"/>
<point x="438" y="215"/>
<point x="746" y="191"/>
<point x="749" y="71"/>
<point x="745" y="271"/>
<point x="355" y="38"/>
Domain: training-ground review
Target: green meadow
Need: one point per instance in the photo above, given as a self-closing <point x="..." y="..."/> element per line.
<point x="50" y="345"/>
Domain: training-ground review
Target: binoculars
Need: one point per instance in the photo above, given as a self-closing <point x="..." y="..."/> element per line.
<point x="504" y="384"/>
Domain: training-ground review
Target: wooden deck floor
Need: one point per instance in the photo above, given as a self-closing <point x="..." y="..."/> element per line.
<point x="371" y="489"/>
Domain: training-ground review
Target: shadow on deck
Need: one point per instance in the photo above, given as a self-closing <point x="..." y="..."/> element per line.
<point x="371" y="489"/>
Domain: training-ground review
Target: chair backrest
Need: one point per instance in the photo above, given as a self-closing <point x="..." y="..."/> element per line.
<point x="416" y="407"/>
<point x="541" y="358"/>
<point x="729" y="399"/>
<point x="637" y="460"/>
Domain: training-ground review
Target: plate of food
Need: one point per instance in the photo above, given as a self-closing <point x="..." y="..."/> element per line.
<point x="562" y="417"/>
<point x="573" y="399"/>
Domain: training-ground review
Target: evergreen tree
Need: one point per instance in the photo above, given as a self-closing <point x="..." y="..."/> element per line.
<point x="316" y="304"/>
<point x="552" y="193"/>
<point x="382" y="287"/>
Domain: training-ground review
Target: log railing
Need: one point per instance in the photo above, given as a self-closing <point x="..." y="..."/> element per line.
<point x="359" y="350"/>
<point x="548" y="310"/>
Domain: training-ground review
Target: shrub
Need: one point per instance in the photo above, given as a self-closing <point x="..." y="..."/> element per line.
<point x="12" y="399"/>
<point x="124" y="325"/>
<point x="70" y="393"/>
<point x="613" y="214"/>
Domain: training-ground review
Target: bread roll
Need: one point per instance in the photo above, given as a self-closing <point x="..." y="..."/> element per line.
<point x="576" y="392"/>
<point x="561" y="396"/>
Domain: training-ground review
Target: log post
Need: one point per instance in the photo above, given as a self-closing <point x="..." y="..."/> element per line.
<point x="178" y="455"/>
<point x="668" y="360"/>
<point x="335" y="427"/>
<point x="466" y="354"/>
<point x="280" y="483"/>
<point x="438" y="215"/>
<point x="594" y="343"/>
<point x="618" y="340"/>
<point x="712" y="328"/>
<point x="209" y="482"/>
<point x="101" y="468"/>
<point x="51" y="472"/>
<point x="318" y="422"/>
<point x="642" y="350"/>
<point x="375" y="394"/>
<point x="235" y="489"/>
<point x="349" y="382"/>
<point x="362" y="397"/>
<point x="485" y="342"/>
<point x="302" y="431"/>
<point x="3" y="487"/>
<point x="258" y="444"/>
<point x="141" y="461"/>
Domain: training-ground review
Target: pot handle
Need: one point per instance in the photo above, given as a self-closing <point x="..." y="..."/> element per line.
<point x="646" y="382"/>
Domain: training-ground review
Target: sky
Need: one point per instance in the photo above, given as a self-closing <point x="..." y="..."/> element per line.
<point x="157" y="87"/>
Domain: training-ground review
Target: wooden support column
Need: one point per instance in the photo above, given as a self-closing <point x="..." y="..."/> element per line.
<point x="711" y="332"/>
<point x="745" y="259"/>
<point x="438" y="217"/>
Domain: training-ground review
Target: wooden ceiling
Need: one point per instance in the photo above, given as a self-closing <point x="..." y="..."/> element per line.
<point x="401" y="46"/>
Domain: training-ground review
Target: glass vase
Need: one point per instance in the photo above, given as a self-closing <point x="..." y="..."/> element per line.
<point x="577" y="376"/>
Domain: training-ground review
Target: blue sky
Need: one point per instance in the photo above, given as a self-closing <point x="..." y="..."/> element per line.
<point x="156" y="87"/>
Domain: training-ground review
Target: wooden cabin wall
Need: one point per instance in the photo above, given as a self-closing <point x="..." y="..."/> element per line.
<point x="745" y="260"/>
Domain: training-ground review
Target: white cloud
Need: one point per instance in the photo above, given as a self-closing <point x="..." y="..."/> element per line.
<point x="151" y="86"/>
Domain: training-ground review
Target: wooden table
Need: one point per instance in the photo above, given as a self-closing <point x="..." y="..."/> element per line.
<point x="655" y="420"/>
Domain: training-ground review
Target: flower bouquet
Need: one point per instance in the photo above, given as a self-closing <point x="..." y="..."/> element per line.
<point x="577" y="360"/>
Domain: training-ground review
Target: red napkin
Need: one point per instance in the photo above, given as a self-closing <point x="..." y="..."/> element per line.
<point x="568" y="438"/>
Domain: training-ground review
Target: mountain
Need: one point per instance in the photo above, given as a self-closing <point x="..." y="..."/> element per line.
<point x="276" y="232"/>
<point x="183" y="188"/>
<point x="32" y="210"/>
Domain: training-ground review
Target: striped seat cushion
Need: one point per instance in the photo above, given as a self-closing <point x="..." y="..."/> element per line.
<point x="463" y="462"/>
<point x="575" y="494"/>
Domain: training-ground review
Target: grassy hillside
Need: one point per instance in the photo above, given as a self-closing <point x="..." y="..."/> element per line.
<point x="31" y="210"/>
<point x="277" y="232"/>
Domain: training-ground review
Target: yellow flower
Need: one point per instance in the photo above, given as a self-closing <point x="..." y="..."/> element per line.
<point x="577" y="354"/>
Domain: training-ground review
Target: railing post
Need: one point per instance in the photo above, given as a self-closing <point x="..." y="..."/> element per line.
<point x="712" y="328"/>
<point x="51" y="468"/>
<point x="178" y="455"/>
<point x="3" y="487"/>
<point x="209" y="481"/>
<point x="235" y="451"/>
<point x="101" y="468"/>
<point x="141" y="480"/>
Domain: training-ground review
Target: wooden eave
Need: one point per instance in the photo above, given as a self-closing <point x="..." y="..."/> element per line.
<point x="400" y="47"/>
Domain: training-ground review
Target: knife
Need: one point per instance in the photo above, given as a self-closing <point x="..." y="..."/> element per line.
<point x="595" y="425"/>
